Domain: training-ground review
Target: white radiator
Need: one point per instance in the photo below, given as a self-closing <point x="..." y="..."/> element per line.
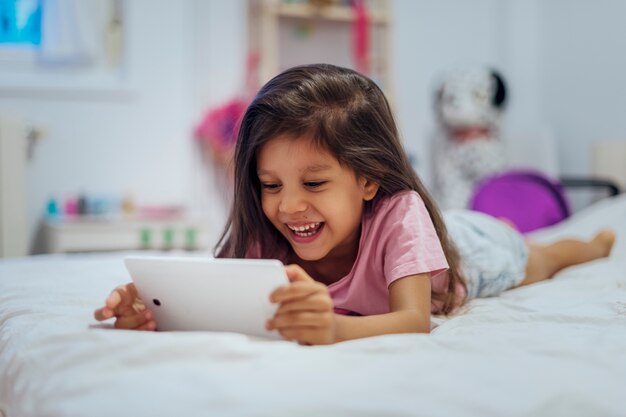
<point x="13" y="228"/>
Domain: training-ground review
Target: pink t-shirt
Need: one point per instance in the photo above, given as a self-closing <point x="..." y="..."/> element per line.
<point x="398" y="239"/>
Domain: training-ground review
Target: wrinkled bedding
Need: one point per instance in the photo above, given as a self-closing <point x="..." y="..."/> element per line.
<point x="554" y="348"/>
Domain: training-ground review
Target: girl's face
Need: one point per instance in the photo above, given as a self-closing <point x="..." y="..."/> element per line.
<point x="315" y="202"/>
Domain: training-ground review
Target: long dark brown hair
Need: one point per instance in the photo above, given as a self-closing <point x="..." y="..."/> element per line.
<point x="348" y="115"/>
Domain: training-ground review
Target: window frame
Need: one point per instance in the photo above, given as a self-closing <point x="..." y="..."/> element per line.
<point x="23" y="72"/>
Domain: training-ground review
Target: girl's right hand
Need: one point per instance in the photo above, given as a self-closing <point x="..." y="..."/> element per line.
<point x="128" y="309"/>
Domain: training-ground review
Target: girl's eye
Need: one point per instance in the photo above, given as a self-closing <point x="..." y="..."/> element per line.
<point x="270" y="186"/>
<point x="314" y="184"/>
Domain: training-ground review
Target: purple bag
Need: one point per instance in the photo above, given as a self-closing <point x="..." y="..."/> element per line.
<point x="529" y="199"/>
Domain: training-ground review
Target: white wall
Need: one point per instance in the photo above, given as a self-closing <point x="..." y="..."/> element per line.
<point x="219" y="75"/>
<point x="562" y="59"/>
<point x="583" y="67"/>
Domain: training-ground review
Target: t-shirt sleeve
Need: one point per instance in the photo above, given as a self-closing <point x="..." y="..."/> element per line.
<point x="411" y="243"/>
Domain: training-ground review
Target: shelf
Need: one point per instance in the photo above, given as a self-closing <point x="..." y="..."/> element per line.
<point x="333" y="13"/>
<point x="285" y="34"/>
<point x="89" y="234"/>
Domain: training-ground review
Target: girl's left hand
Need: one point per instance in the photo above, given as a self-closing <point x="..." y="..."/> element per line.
<point x="306" y="310"/>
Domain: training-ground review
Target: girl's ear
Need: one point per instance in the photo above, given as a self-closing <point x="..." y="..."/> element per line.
<point x="370" y="188"/>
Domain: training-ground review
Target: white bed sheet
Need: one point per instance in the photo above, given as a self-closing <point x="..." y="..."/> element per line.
<point x="554" y="348"/>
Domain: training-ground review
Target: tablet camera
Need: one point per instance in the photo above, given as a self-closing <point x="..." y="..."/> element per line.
<point x="156" y="301"/>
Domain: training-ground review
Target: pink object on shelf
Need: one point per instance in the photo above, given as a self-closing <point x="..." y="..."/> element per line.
<point x="160" y="212"/>
<point x="71" y="207"/>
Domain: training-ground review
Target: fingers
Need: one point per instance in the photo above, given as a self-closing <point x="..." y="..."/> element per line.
<point x="297" y="290"/>
<point x="149" y="326"/>
<point x="129" y="319"/>
<point x="123" y="295"/>
<point x="308" y="328"/>
<point x="103" y="313"/>
<point x="138" y="321"/>
<point x="314" y="311"/>
<point x="301" y="319"/>
<point x="296" y="273"/>
<point x="311" y="311"/>
<point x="119" y="301"/>
<point x="128" y="309"/>
<point x="306" y="312"/>
<point x="318" y="302"/>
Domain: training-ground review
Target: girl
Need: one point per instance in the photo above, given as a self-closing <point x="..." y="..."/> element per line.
<point x="323" y="183"/>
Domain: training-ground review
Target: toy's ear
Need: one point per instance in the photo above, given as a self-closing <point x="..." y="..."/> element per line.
<point x="499" y="98"/>
<point x="438" y="96"/>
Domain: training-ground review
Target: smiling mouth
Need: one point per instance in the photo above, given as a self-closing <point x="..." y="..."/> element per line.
<point x="306" y="230"/>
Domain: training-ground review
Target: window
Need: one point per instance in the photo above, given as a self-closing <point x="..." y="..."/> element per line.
<point x="63" y="45"/>
<point x="20" y="22"/>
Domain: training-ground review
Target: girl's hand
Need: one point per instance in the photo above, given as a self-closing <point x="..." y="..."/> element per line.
<point x="128" y="309"/>
<point x="306" y="310"/>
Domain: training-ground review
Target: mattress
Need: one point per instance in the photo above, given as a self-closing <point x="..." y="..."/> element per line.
<point x="553" y="348"/>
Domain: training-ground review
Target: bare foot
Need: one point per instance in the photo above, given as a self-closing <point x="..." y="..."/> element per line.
<point x="604" y="241"/>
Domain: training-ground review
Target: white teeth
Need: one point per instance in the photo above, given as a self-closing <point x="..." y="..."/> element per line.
<point x="304" y="228"/>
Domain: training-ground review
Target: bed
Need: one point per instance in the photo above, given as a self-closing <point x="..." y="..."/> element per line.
<point x="555" y="348"/>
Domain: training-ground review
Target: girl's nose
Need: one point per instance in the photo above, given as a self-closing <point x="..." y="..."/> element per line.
<point x="292" y="203"/>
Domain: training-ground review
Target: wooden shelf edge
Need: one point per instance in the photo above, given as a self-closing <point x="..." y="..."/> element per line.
<point x="331" y="13"/>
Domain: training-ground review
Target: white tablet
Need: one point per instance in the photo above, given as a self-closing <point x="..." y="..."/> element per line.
<point x="230" y="295"/>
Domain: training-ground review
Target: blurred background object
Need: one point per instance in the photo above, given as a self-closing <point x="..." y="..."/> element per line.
<point x="609" y="161"/>
<point x="13" y="151"/>
<point x="467" y="144"/>
<point x="354" y="34"/>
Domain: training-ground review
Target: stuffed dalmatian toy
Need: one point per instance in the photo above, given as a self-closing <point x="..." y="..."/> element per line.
<point x="467" y="146"/>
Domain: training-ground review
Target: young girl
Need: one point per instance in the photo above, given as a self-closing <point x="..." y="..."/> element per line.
<point x="323" y="183"/>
